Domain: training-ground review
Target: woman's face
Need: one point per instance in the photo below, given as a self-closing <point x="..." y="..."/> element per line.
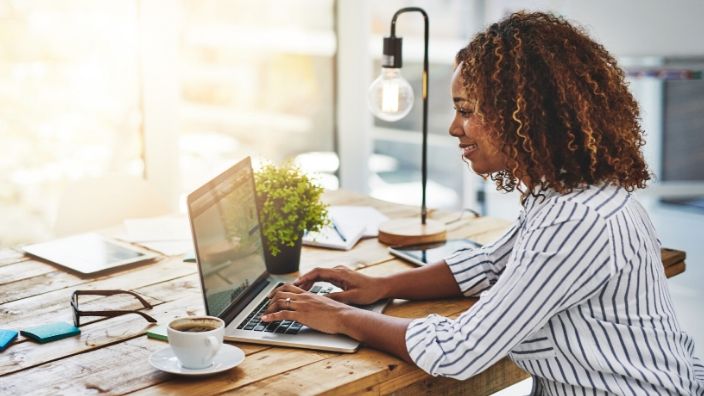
<point x="474" y="141"/>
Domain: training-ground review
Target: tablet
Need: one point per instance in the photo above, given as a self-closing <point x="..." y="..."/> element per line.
<point x="87" y="253"/>
<point x="433" y="252"/>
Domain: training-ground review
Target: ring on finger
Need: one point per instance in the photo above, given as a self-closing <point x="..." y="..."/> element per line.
<point x="288" y="302"/>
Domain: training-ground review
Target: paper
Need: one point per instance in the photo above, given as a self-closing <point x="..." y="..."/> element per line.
<point x="342" y="237"/>
<point x="352" y="222"/>
<point x="365" y="216"/>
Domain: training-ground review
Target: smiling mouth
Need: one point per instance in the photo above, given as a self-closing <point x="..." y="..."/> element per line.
<point x="468" y="148"/>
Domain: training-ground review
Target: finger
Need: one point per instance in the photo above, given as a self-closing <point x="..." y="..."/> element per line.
<point x="281" y="315"/>
<point x="275" y="290"/>
<point x="305" y="285"/>
<point x="323" y="274"/>
<point x="308" y="277"/>
<point x="343" y="296"/>
<point x="286" y="287"/>
<point x="290" y="288"/>
<point x="273" y="306"/>
<point x="336" y="276"/>
<point x="281" y="301"/>
<point x="282" y="295"/>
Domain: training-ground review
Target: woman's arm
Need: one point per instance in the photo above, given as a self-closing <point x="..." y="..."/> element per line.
<point x="430" y="281"/>
<point x="467" y="272"/>
<point x="380" y="331"/>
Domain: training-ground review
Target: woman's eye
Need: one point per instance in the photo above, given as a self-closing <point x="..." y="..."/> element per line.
<point x="463" y="112"/>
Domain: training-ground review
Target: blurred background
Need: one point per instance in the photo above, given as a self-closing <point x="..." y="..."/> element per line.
<point x="172" y="92"/>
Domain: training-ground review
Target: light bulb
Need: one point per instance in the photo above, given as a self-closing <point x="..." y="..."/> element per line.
<point x="390" y="96"/>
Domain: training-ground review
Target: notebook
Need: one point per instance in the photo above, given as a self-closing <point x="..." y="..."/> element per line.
<point x="341" y="236"/>
<point x="366" y="216"/>
<point x="348" y="224"/>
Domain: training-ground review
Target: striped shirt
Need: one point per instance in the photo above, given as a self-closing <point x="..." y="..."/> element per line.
<point x="575" y="294"/>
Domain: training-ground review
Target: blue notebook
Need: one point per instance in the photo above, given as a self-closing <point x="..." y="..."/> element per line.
<point x="6" y="338"/>
<point x="50" y="332"/>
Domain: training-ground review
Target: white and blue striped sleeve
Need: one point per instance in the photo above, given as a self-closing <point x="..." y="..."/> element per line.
<point x="557" y="263"/>
<point x="477" y="269"/>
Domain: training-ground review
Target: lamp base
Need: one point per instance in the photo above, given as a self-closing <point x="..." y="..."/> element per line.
<point x="403" y="232"/>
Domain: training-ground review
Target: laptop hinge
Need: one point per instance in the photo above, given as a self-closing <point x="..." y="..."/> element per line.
<point x="234" y="309"/>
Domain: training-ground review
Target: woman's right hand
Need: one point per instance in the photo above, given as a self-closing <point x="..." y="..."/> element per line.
<point x="356" y="288"/>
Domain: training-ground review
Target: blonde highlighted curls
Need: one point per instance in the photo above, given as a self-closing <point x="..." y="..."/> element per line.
<point x="557" y="104"/>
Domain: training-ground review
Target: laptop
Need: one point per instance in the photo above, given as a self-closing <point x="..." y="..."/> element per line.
<point x="231" y="263"/>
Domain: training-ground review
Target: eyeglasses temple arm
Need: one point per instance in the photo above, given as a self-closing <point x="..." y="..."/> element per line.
<point x="111" y="293"/>
<point x="112" y="314"/>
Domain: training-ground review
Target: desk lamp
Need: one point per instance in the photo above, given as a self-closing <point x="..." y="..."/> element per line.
<point x="390" y="98"/>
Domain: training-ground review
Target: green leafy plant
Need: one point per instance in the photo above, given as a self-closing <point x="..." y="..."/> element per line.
<point x="289" y="204"/>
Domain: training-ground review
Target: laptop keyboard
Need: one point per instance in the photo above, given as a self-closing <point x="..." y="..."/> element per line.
<point x="253" y="320"/>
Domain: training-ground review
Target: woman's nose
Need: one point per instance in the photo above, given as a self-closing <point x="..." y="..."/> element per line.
<point x="456" y="129"/>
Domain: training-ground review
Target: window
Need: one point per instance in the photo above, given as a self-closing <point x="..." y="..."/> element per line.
<point x="69" y="86"/>
<point x="257" y="79"/>
<point x="173" y="94"/>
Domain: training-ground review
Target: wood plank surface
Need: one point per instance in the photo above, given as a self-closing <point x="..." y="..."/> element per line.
<point x="675" y="269"/>
<point x="60" y="280"/>
<point x="672" y="256"/>
<point x="363" y="369"/>
<point x="110" y="356"/>
<point x="23" y="270"/>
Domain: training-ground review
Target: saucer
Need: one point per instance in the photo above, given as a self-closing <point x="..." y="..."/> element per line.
<point x="227" y="357"/>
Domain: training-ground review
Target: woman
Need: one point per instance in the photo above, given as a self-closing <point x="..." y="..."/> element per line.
<point x="574" y="292"/>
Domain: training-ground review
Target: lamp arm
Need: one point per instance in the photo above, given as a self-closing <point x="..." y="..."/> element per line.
<point x="424" y="84"/>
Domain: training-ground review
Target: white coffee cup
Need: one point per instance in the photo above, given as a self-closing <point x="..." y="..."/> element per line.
<point x="196" y="340"/>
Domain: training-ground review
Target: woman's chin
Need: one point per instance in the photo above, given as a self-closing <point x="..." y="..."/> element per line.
<point x="478" y="168"/>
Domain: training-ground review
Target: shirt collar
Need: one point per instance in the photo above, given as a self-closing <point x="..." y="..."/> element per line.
<point x="538" y="196"/>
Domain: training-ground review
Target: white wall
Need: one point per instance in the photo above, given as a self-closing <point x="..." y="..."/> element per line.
<point x="626" y="27"/>
<point x="643" y="27"/>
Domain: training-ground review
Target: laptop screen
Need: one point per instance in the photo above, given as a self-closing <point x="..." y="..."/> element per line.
<point x="227" y="237"/>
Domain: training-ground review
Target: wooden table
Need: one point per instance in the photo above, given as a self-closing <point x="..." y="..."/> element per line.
<point x="111" y="355"/>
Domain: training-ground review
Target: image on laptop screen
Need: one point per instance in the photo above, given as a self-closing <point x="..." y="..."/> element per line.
<point x="227" y="236"/>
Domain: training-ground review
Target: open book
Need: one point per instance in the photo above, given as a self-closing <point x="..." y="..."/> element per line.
<point x="335" y="236"/>
<point x="348" y="224"/>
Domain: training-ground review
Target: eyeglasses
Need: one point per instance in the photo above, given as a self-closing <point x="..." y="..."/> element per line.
<point x="77" y="313"/>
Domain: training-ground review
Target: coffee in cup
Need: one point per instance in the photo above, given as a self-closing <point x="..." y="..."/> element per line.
<point x="196" y="340"/>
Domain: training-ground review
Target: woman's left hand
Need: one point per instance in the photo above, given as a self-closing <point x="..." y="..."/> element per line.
<point x="321" y="313"/>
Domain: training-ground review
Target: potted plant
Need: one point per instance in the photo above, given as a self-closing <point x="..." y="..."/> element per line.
<point x="289" y="205"/>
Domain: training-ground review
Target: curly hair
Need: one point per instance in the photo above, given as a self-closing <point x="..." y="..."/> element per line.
<point x="556" y="103"/>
